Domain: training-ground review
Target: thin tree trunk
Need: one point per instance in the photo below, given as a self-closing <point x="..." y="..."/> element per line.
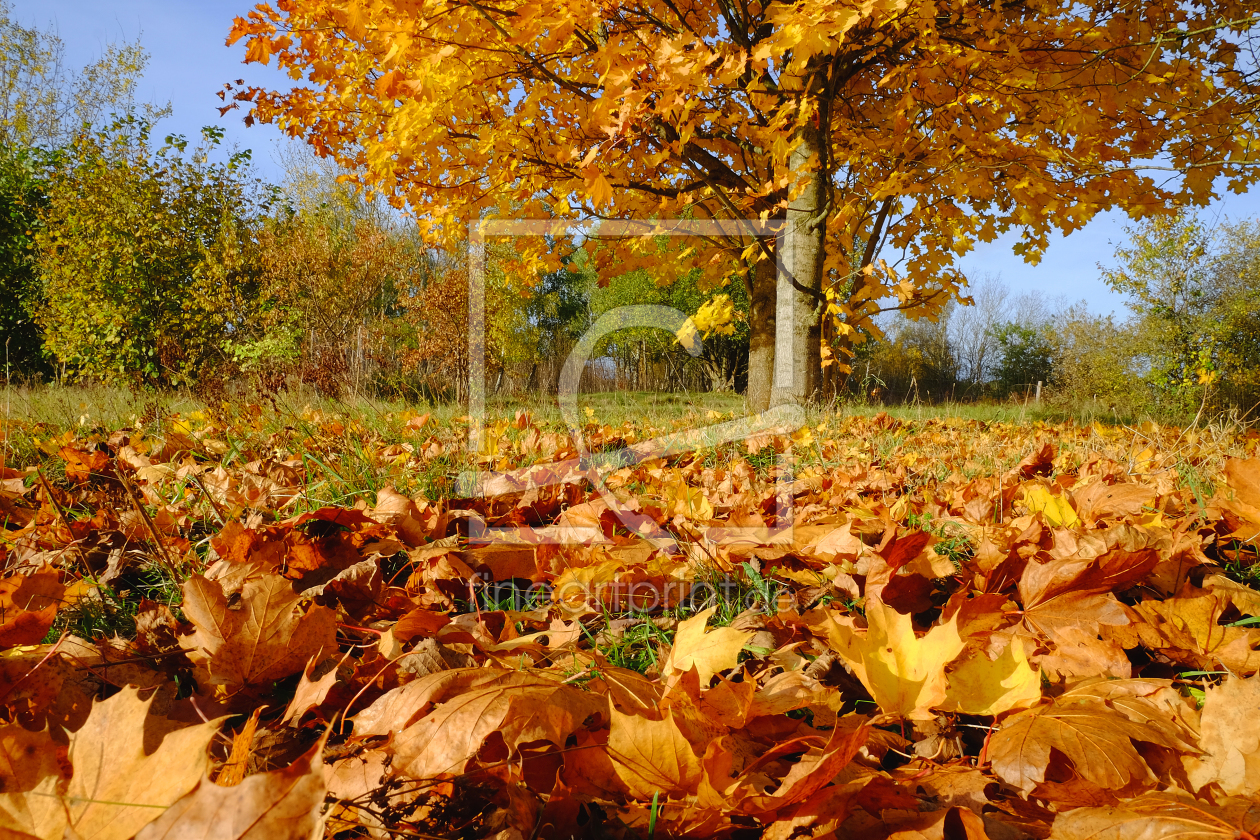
<point x="761" y="336"/>
<point x="797" y="358"/>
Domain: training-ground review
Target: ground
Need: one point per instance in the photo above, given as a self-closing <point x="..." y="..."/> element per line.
<point x="981" y="622"/>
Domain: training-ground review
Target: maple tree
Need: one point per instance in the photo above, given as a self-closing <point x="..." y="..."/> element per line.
<point x="899" y="125"/>
<point x="971" y="629"/>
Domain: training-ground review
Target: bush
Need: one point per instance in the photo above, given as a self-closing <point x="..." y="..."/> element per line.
<point x="146" y="257"/>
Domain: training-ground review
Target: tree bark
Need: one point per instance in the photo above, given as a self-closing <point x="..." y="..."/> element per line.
<point x="761" y="325"/>
<point x="802" y="252"/>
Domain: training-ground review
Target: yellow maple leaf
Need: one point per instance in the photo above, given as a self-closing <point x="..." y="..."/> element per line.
<point x="904" y="673"/>
<point x="716" y="316"/>
<point x="684" y="500"/>
<point x="1057" y="510"/>
<point x="980" y="686"/>
<point x="709" y="653"/>
<point x="597" y="187"/>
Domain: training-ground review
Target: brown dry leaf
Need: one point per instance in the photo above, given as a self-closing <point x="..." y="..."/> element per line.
<point x="442" y="742"/>
<point x="399" y="708"/>
<point x="1187" y="629"/>
<point x="277" y="805"/>
<point x="817" y="816"/>
<point x="652" y="756"/>
<point x="950" y="824"/>
<point x="838" y="541"/>
<point x="1242" y="512"/>
<point x="28" y="606"/>
<point x="1075" y="623"/>
<point x="811" y="772"/>
<point x="1245" y="599"/>
<point x="311" y="691"/>
<point x="709" y="653"/>
<point x="261" y="636"/>
<point x="1231" y="738"/>
<point x="350" y="781"/>
<point x="31" y="779"/>
<point x="1157" y="816"/>
<point x="1099" y="500"/>
<point x="1243" y="477"/>
<point x="1094" y="737"/>
<point x="120" y="781"/>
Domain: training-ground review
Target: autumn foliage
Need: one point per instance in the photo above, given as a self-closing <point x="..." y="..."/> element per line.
<point x="970" y="630"/>
<point x="905" y="129"/>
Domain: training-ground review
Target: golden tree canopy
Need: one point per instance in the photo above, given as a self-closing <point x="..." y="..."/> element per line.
<point x="944" y="122"/>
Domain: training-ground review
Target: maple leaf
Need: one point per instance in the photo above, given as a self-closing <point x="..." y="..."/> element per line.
<point x="980" y="686"/>
<point x="28" y="607"/>
<point x="807" y="775"/>
<point x="1187" y="629"/>
<point x="1155" y="816"/>
<point x="277" y="805"/>
<point x="709" y="653"/>
<point x="521" y="708"/>
<point x="1231" y="738"/>
<point x="117" y="786"/>
<point x="264" y="636"/>
<point x="31" y="778"/>
<point x="1095" y="736"/>
<point x="1056" y="509"/>
<point x="905" y="674"/>
<point x="1242" y="512"/>
<point x="652" y="756"/>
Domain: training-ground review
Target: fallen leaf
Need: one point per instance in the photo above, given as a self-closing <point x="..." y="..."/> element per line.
<point x="117" y="786"/>
<point x="1230" y="738"/>
<point x="709" y="653"/>
<point x="652" y="756"/>
<point x="265" y="636"/>
<point x="28" y="607"/>
<point x="905" y="674"/>
<point x="1157" y="816"/>
<point x="1094" y="737"/>
<point x="980" y="686"/>
<point x="441" y="743"/>
<point x="1057" y="510"/>
<point x="31" y="779"/>
<point x="276" y="805"/>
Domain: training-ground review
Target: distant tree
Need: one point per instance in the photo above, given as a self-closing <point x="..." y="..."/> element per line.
<point x="532" y="328"/>
<point x="971" y="328"/>
<point x="1094" y="359"/>
<point x="145" y="256"/>
<point x="1195" y="292"/>
<point x="43" y="104"/>
<point x="913" y="359"/>
<point x="1025" y="355"/>
<point x="724" y="355"/>
<point x="24" y="177"/>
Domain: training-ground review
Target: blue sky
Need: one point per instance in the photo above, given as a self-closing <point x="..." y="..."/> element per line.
<point x="189" y="63"/>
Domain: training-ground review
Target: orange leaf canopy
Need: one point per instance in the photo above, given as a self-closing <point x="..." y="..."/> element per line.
<point x="945" y="123"/>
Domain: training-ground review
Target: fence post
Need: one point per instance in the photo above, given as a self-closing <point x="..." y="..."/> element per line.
<point x="1037" y="399"/>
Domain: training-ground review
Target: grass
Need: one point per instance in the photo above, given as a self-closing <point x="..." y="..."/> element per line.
<point x="344" y="446"/>
<point x="108" y="611"/>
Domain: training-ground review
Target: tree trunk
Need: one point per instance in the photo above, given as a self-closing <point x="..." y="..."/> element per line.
<point x="802" y="252"/>
<point x="761" y="336"/>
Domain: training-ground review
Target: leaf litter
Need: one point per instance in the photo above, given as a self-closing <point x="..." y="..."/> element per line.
<point x="226" y="629"/>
